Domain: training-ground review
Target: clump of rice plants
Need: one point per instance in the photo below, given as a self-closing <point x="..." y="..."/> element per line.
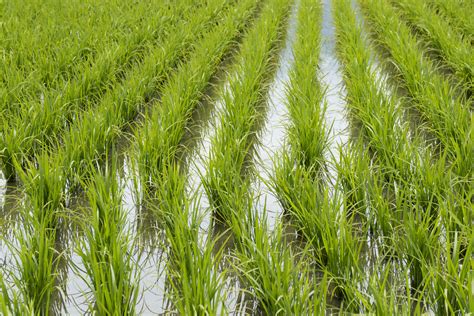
<point x="35" y="250"/>
<point x="195" y="282"/>
<point x="269" y="271"/>
<point x="108" y="250"/>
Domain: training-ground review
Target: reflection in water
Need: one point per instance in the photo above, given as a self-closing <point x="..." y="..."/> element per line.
<point x="142" y="223"/>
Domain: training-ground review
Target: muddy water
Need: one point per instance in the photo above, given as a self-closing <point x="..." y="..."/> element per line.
<point x="4" y="257"/>
<point x="3" y="189"/>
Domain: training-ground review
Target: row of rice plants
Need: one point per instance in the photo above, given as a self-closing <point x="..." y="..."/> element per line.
<point x="36" y="257"/>
<point x="108" y="248"/>
<point x="375" y="115"/>
<point x="234" y="138"/>
<point x="411" y="222"/>
<point x="449" y="44"/>
<point x="301" y="174"/>
<point x="444" y="113"/>
<point x="195" y="285"/>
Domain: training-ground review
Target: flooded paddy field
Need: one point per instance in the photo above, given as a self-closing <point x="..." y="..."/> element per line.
<point x="291" y="157"/>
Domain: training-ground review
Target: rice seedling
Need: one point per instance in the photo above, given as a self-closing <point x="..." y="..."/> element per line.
<point x="304" y="99"/>
<point x="268" y="269"/>
<point x="35" y="250"/>
<point x="381" y="128"/>
<point x="317" y="216"/>
<point x="455" y="51"/>
<point x="385" y="291"/>
<point x="452" y="275"/>
<point x="307" y="131"/>
<point x="195" y="282"/>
